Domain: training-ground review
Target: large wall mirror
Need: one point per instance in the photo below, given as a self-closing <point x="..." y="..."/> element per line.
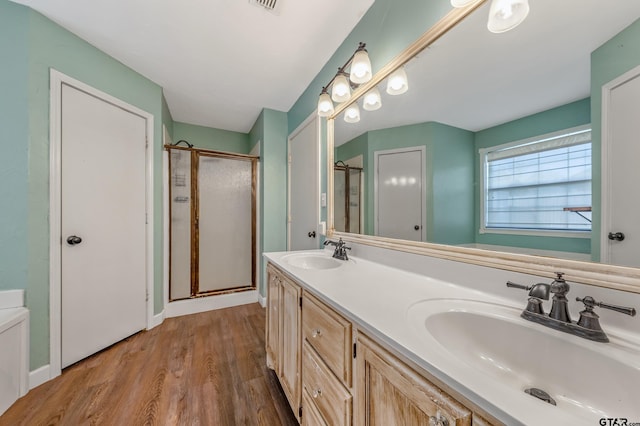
<point x="493" y="155"/>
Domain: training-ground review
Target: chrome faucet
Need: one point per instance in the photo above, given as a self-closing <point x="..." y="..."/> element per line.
<point x="588" y="326"/>
<point x="341" y="249"/>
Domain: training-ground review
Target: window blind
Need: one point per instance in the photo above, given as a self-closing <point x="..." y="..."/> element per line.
<point x="530" y="186"/>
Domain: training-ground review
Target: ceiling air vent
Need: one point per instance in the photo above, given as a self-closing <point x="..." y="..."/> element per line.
<point x="270" y="5"/>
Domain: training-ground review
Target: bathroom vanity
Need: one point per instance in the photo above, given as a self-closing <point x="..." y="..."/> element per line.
<point x="358" y="342"/>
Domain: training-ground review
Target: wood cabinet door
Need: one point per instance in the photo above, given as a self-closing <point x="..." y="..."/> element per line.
<point x="273" y="320"/>
<point x="388" y="393"/>
<point x="290" y="331"/>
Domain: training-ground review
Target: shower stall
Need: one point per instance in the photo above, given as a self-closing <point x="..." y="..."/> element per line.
<point x="347" y="198"/>
<point x="212" y="222"/>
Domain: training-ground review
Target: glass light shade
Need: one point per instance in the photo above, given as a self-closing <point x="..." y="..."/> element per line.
<point x="352" y="113"/>
<point x="341" y="89"/>
<point x="461" y="3"/>
<point x="325" y="106"/>
<point x="372" y="100"/>
<point x="360" y="71"/>
<point x="505" y="15"/>
<point x="397" y="82"/>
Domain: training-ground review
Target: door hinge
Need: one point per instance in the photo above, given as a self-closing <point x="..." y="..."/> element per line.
<point x="290" y="158"/>
<point x="300" y="411"/>
<point x="354" y="349"/>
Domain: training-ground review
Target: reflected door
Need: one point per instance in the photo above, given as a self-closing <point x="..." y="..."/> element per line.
<point x="623" y="206"/>
<point x="399" y="195"/>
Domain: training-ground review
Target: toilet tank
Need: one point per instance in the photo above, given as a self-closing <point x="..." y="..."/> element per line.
<point x="14" y="355"/>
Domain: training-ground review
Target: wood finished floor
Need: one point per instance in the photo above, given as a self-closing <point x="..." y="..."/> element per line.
<point x="202" y="369"/>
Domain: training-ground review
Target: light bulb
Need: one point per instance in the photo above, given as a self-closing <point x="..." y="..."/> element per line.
<point x="397" y="82"/>
<point x="505" y="15"/>
<point x="360" y="71"/>
<point x="341" y="90"/>
<point x="352" y="113"/>
<point x="325" y="106"/>
<point x="372" y="100"/>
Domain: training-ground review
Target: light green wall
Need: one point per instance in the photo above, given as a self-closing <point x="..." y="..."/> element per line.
<point x="14" y="137"/>
<point x="270" y="129"/>
<point x="609" y="61"/>
<point x="167" y="119"/>
<point x="563" y="117"/>
<point x="448" y="180"/>
<point x="388" y="28"/>
<point x="31" y="45"/>
<point x="210" y="138"/>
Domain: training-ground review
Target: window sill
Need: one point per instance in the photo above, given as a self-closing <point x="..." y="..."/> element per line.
<point x="537" y="233"/>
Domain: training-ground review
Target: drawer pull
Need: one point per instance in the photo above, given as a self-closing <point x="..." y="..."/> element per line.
<point x="316" y="333"/>
<point x="438" y="420"/>
<point x="317" y="393"/>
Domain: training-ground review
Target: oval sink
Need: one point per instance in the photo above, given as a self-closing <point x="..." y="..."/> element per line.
<point x="312" y="261"/>
<point x="590" y="379"/>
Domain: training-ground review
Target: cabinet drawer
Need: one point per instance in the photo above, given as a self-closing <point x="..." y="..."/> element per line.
<point x="310" y="414"/>
<point x="332" y="400"/>
<point x="329" y="334"/>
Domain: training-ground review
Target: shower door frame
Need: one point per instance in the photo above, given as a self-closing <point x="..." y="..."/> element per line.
<point x="196" y="153"/>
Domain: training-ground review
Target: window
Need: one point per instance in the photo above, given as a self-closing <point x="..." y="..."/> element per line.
<point x="539" y="185"/>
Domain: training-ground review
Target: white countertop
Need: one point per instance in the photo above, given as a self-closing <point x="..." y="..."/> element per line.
<point x="377" y="299"/>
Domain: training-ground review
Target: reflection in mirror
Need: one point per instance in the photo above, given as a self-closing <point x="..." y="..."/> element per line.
<point x="495" y="116"/>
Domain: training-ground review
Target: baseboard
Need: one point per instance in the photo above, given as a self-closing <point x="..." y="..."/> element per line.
<point x="203" y="304"/>
<point x="39" y="376"/>
<point x="262" y="300"/>
<point x="156" y="320"/>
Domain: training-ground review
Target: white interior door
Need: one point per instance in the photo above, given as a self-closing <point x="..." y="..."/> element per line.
<point x="303" y="187"/>
<point x="399" y="193"/>
<point x="621" y="205"/>
<point x="103" y="205"/>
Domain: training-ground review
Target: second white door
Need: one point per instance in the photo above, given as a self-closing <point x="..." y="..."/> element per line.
<point x="303" y="187"/>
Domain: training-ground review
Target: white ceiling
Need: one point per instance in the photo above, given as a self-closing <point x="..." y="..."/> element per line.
<point x="219" y="61"/>
<point x="473" y="79"/>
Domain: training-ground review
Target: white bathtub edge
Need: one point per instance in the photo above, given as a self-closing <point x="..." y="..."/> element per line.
<point x="11" y="299"/>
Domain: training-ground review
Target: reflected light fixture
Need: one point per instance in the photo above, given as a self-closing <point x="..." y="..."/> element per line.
<point x="372" y="100"/>
<point x="325" y="106"/>
<point x="397" y="82"/>
<point x="504" y="15"/>
<point x="341" y="89"/>
<point x="352" y="113"/>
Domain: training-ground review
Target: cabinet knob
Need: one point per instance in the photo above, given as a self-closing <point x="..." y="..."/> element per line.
<point x="316" y="333"/>
<point x="438" y="420"/>
<point x="317" y="393"/>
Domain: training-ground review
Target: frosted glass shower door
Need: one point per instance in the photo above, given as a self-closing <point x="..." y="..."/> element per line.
<point x="225" y="223"/>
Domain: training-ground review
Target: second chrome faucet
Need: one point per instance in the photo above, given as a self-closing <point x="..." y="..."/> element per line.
<point x="588" y="326"/>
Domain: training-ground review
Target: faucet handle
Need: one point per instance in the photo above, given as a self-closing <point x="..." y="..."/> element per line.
<point x="590" y="303"/>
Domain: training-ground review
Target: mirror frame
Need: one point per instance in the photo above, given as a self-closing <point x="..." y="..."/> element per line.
<point x="593" y="273"/>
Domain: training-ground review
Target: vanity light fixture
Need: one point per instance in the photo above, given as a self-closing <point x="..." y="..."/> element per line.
<point x="397" y="82"/>
<point x="504" y="15"/>
<point x="372" y="100"/>
<point x="341" y="89"/>
<point x="359" y="72"/>
<point x="325" y="106"/>
<point x="352" y="113"/>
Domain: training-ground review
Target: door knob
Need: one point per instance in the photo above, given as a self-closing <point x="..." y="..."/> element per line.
<point x="73" y="240"/>
<point x="417" y="227"/>
<point x="616" y="236"/>
<point x="312" y="234"/>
